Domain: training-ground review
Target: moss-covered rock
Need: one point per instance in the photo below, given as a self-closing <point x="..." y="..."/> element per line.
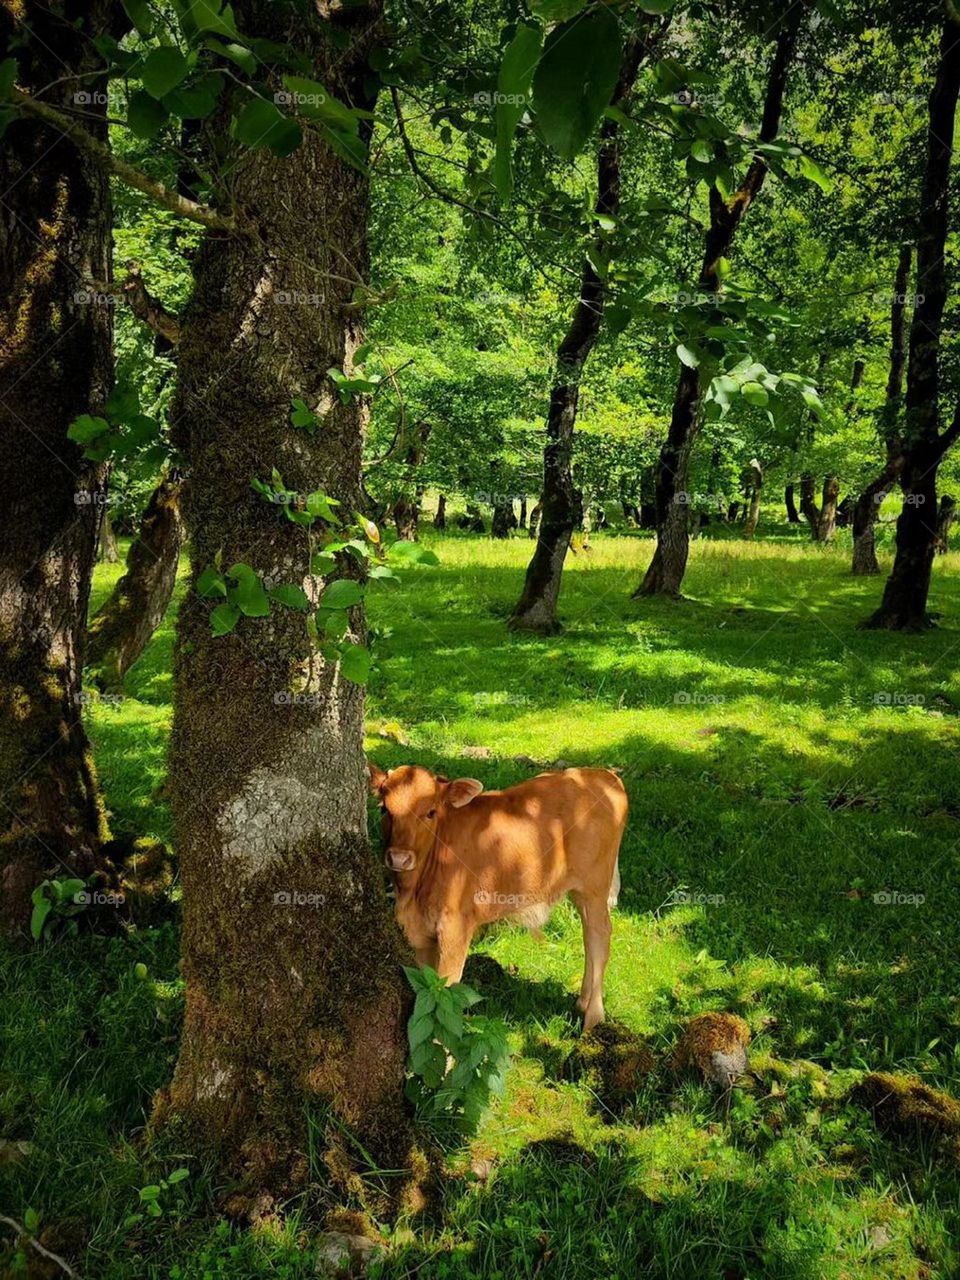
<point x="612" y="1061"/>
<point x="715" y="1044"/>
<point x="905" y="1106"/>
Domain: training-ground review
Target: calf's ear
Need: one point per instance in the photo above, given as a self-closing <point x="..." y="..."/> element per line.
<point x="375" y="777"/>
<point x="462" y="790"/>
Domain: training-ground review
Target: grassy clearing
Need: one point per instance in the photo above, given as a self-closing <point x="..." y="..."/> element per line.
<point x="783" y="769"/>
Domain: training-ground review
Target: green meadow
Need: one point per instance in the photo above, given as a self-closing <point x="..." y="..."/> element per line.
<point x="791" y="857"/>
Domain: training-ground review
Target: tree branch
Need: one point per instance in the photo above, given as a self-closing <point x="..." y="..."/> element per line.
<point x="148" y="308"/>
<point x="127" y="173"/>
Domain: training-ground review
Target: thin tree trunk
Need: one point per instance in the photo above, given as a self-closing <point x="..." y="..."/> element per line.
<point x="827" y="525"/>
<point x="665" y="573"/>
<point x="294" y="1012"/>
<point x="55" y="363"/>
<point x="536" y="610"/>
<point x="753" y="487"/>
<point x="503" y="519"/>
<point x="522" y="522"/>
<point x="406" y="510"/>
<point x="904" y="604"/>
<point x="871" y="499"/>
<point x="648" y="499"/>
<point x="793" y="515"/>
<point x="440" y="519"/>
<point x="121" y="629"/>
<point x="945" y="517"/>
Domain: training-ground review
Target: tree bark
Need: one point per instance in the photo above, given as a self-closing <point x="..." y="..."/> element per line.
<point x="822" y="519"/>
<point x="522" y="521"/>
<point x="121" y="629"/>
<point x="109" y="550"/>
<point x="753" y="487"/>
<point x="793" y="515"/>
<point x="536" y="610"/>
<point x="904" y="603"/>
<point x="294" y="1011"/>
<point x="503" y="520"/>
<point x="664" y="575"/>
<point x="534" y="524"/>
<point x="55" y="363"/>
<point x="440" y="519"/>
<point x="870" y="501"/>
<point x="406" y="510"/>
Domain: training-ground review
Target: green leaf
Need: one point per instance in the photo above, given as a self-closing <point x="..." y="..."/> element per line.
<point x="302" y="416"/>
<point x="575" y="79"/>
<point x="8" y="76"/>
<point x="202" y="16"/>
<point x="40" y="912"/>
<point x="163" y="70"/>
<point x="322" y="563"/>
<point x="197" y="101"/>
<point x="688" y="355"/>
<point x="513" y="92"/>
<point x="178" y="1175"/>
<point x="702" y="151"/>
<point x="655" y="6"/>
<point x="145" y="116"/>
<point x="312" y="99"/>
<point x="223" y="619"/>
<point x="754" y="393"/>
<point x="138" y="11"/>
<point x="342" y="594"/>
<point x="557" y="10"/>
<point x="355" y="663"/>
<point x="289" y="594"/>
<point x="261" y="124"/>
<point x="237" y="53"/>
<point x="248" y="594"/>
<point x="813" y="173"/>
<point x="87" y="428"/>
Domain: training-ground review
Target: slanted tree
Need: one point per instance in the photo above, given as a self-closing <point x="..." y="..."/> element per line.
<point x="664" y="575"/>
<point x="560" y="509"/>
<point x="904" y="603"/>
<point x="55" y="363"/>
<point x="823" y="518"/>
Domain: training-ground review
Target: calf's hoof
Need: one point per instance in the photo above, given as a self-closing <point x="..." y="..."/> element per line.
<point x="592" y="1018"/>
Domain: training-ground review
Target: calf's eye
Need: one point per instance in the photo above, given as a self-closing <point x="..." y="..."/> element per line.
<point x="432" y="813"/>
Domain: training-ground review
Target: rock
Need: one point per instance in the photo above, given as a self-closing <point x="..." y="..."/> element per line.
<point x="340" y="1254"/>
<point x="716" y="1044"/>
<point x="477" y="753"/>
<point x="904" y="1105"/>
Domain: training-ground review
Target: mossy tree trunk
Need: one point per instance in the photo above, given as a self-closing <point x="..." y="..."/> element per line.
<point x="664" y="575"/>
<point x="295" y="999"/>
<point x="560" y="507"/>
<point x="121" y="629"/>
<point x="904" y="604"/>
<point x="871" y="499"/>
<point x="55" y="363"/>
<point x="753" y="487"/>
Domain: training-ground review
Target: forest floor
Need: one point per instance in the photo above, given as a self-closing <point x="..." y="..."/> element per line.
<point x="791" y="856"/>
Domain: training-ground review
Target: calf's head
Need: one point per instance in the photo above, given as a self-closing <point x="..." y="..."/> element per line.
<point x="413" y="802"/>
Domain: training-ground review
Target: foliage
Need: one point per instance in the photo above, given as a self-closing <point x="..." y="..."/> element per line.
<point x="457" y="1060"/>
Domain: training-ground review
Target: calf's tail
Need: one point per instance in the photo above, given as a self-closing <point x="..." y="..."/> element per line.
<point x="614" y="893"/>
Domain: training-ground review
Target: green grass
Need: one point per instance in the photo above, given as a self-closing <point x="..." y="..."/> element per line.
<point x="764" y="775"/>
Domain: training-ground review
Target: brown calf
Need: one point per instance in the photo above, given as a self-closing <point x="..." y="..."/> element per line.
<point x="462" y="857"/>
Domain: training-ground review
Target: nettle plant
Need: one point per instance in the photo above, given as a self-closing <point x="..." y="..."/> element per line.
<point x="332" y="545"/>
<point x="457" y="1062"/>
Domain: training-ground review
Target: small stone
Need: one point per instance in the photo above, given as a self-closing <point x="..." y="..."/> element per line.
<point x="477" y="753"/>
<point x="340" y="1254"/>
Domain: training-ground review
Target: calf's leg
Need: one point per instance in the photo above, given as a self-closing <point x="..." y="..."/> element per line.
<point x="454" y="939"/>
<point x="596" y="950"/>
<point x="428" y="955"/>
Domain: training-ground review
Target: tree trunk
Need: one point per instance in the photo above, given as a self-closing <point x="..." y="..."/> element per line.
<point x="295" y="1010"/>
<point x="822" y="519"/>
<point x="904" y="604"/>
<point x="109" y="549"/>
<point x="665" y="573"/>
<point x="870" y="501"/>
<point x="948" y="509"/>
<point x="55" y="363"/>
<point x="522" y="522"/>
<point x="753" y="487"/>
<point x="406" y="510"/>
<point x="793" y="515"/>
<point x="503" y="518"/>
<point x="536" y="610"/>
<point x="122" y="628"/>
<point x="440" y="519"/>
<point x="534" y="524"/>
